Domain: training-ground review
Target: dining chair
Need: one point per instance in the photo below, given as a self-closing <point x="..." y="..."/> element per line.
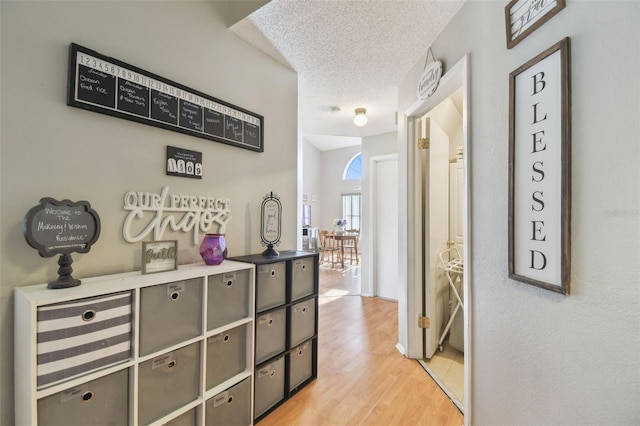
<point x="351" y="245"/>
<point x="329" y="248"/>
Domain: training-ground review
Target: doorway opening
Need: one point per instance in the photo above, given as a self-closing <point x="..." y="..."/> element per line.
<point x="442" y="184"/>
<point x="438" y="223"/>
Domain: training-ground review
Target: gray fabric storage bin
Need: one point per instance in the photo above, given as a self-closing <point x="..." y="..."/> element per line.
<point x="170" y="314"/>
<point x="269" y="386"/>
<point x="303" y="321"/>
<point x="186" y="419"/>
<point x="231" y="407"/>
<point x="271" y="334"/>
<point x="300" y="364"/>
<point x="303" y="273"/>
<point x="271" y="285"/>
<point x="226" y="355"/>
<point x="227" y="298"/>
<point x="106" y="398"/>
<point x="168" y="382"/>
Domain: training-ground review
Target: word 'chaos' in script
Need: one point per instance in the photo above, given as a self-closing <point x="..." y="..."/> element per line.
<point x="152" y="213"/>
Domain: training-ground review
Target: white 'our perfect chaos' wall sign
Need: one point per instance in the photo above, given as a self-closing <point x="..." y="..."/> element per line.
<point x="152" y="213"/>
<point x="540" y="170"/>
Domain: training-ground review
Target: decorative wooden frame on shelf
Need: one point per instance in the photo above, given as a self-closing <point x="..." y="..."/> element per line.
<point x="159" y="256"/>
<point x="522" y="17"/>
<point x="540" y="170"/>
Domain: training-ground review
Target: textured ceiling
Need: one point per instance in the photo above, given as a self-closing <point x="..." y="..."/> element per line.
<point x="347" y="54"/>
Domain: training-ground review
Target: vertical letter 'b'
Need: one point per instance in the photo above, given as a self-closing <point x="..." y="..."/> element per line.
<point x="538" y="83"/>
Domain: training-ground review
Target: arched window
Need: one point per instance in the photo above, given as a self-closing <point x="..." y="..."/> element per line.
<point x="351" y="203"/>
<point x="353" y="171"/>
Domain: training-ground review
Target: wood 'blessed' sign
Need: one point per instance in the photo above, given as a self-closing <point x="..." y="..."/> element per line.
<point x="109" y="86"/>
<point x="540" y="170"/>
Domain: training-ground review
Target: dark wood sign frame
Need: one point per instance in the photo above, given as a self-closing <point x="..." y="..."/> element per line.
<point x="102" y="84"/>
<point x="522" y="17"/>
<point x="540" y="170"/>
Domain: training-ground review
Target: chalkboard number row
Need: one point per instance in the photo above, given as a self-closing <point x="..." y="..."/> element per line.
<point x="106" y="85"/>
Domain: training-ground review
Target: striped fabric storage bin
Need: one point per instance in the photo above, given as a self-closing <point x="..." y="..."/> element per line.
<point x="81" y="336"/>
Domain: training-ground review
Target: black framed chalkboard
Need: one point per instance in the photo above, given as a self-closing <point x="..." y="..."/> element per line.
<point x="102" y="84"/>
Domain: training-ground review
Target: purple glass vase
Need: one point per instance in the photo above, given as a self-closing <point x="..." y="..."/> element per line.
<point x="213" y="249"/>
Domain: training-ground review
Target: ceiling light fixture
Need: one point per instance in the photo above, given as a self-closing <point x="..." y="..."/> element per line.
<point x="360" y="118"/>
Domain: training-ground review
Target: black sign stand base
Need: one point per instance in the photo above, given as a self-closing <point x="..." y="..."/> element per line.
<point x="65" y="280"/>
<point x="270" y="251"/>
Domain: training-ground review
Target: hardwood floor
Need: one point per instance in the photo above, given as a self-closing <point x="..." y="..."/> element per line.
<point x="362" y="378"/>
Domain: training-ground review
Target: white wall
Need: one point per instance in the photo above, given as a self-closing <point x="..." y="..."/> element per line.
<point x="312" y="180"/>
<point x="333" y="164"/>
<point x="51" y="149"/>
<point x="540" y="358"/>
<point x="373" y="146"/>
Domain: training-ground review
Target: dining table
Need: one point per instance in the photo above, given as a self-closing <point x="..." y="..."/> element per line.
<point x="340" y="239"/>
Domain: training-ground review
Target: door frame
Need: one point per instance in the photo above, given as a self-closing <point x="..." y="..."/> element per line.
<point x="370" y="288"/>
<point x="411" y="299"/>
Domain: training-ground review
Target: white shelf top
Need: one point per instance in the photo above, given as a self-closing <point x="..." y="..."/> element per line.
<point x="101" y="285"/>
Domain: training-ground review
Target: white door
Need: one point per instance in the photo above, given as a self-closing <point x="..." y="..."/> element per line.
<point x="456" y="189"/>
<point x="386" y="228"/>
<point x="436" y="226"/>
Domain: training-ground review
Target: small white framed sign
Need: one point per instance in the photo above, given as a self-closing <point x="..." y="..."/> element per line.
<point x="540" y="170"/>
<point x="159" y="256"/>
<point x="522" y="17"/>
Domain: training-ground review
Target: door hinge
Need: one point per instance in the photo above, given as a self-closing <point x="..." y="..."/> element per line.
<point x="450" y="243"/>
<point x="423" y="322"/>
<point x="423" y="143"/>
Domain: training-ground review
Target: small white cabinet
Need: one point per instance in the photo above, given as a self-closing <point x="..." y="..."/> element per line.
<point x="169" y="348"/>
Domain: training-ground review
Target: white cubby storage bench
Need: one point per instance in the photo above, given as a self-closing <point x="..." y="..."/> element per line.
<point x="173" y="348"/>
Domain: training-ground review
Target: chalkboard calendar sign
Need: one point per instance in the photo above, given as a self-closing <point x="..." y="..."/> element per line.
<point x="102" y="84"/>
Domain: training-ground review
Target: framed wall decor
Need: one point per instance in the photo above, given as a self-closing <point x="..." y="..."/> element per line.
<point x="522" y="17"/>
<point x="159" y="256"/>
<point x="184" y="163"/>
<point x="106" y="85"/>
<point x="540" y="170"/>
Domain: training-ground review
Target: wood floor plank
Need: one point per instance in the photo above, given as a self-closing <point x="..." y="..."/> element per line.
<point x="362" y="378"/>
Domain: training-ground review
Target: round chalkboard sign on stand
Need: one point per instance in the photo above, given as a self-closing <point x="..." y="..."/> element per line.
<point x="62" y="227"/>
